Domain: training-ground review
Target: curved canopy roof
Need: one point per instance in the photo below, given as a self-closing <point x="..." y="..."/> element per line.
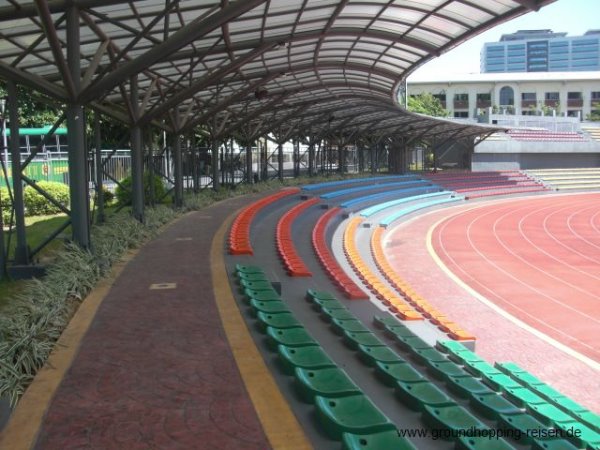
<point x="245" y="66"/>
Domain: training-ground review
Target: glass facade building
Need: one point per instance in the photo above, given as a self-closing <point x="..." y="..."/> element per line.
<point x="542" y="51"/>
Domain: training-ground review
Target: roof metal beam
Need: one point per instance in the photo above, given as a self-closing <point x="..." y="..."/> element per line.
<point x="184" y="36"/>
<point x="33" y="81"/>
<point x="54" y="6"/>
<point x="56" y="47"/>
<point x="211" y="78"/>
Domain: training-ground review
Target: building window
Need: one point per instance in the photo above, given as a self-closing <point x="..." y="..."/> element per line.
<point x="529" y="96"/>
<point x="461" y="101"/>
<point x="461" y="114"/>
<point x="507" y="96"/>
<point x="484" y="100"/>
<point x="552" y="96"/>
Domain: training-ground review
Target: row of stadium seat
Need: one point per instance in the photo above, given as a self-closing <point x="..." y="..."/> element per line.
<point x="428" y="311"/>
<point x="342" y="410"/>
<point x="414" y="390"/>
<point x="370" y="279"/>
<point x="338" y="276"/>
<point x="293" y="263"/>
<point x="239" y="235"/>
<point x="491" y="393"/>
<point x="546" y="405"/>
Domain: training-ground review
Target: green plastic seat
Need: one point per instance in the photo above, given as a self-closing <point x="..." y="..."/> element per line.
<point x="465" y="357"/>
<point x="243" y="268"/>
<point x="370" y="355"/>
<point x="500" y="382"/>
<point x="390" y="373"/>
<point x="553" y="444"/>
<point x="352" y="325"/>
<point x="492" y="405"/>
<point x="330" y="382"/>
<point x="366" y="338"/>
<point x="523" y="397"/>
<point x="279" y="320"/>
<point x="524" y="424"/>
<point x="252" y="277"/>
<point x="308" y="357"/>
<point x="397" y="331"/>
<point x="527" y="379"/>
<point x="428" y="354"/>
<point x="467" y="386"/>
<point x="312" y="294"/>
<point x="418" y="394"/>
<point x="451" y="418"/>
<point x="445" y="369"/>
<point x="411" y="342"/>
<point x="591" y="419"/>
<point x="319" y="304"/>
<point x="329" y="314"/>
<point x="269" y="307"/>
<point x="508" y="367"/>
<point x="262" y="296"/>
<point x="549" y="414"/>
<point x="585" y="437"/>
<point x="558" y="399"/>
<point x="450" y="346"/>
<point x="383" y="321"/>
<point x="382" y="440"/>
<point x="352" y="414"/>
<point x="482" y="443"/>
<point x="479" y="368"/>
<point x="256" y="285"/>
<point x="290" y="337"/>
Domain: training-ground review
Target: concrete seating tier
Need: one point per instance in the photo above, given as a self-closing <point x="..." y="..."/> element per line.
<point x="294" y="265"/>
<point x="354" y="181"/>
<point x="568" y="179"/>
<point x="422" y="187"/>
<point x="540" y="135"/>
<point x="239" y="235"/>
<point x="485" y="184"/>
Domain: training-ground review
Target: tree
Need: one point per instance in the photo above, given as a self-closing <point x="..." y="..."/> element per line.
<point x="427" y="104"/>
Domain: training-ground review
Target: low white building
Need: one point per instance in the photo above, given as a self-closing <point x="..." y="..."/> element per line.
<point x="575" y="94"/>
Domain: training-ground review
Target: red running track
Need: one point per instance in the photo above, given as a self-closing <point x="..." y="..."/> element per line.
<point x="538" y="259"/>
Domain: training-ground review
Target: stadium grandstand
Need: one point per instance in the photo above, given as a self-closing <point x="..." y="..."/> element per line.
<point x="393" y="287"/>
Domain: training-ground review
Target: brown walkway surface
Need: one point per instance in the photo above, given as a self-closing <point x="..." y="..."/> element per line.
<point x="155" y="369"/>
<point x="498" y="339"/>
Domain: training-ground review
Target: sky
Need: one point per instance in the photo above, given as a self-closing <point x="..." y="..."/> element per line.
<point x="574" y="17"/>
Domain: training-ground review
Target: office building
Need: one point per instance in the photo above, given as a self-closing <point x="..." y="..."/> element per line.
<point x="542" y="51"/>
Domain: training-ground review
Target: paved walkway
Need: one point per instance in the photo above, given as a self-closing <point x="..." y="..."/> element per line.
<point x="155" y="368"/>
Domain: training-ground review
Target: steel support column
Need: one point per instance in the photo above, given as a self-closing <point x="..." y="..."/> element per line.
<point x="249" y="174"/>
<point x="21" y="249"/>
<point x="280" y="161"/>
<point x="99" y="184"/>
<point x="311" y="158"/>
<point x="178" y="169"/>
<point x="78" y="170"/>
<point x="137" y="157"/>
<point x="361" y="157"/>
<point x="215" y="163"/>
<point x="373" y="151"/>
<point x="296" y="158"/>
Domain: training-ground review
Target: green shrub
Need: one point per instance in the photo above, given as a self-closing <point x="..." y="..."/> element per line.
<point x="6" y="205"/>
<point x="109" y="196"/>
<point x="124" y="189"/>
<point x="37" y="205"/>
